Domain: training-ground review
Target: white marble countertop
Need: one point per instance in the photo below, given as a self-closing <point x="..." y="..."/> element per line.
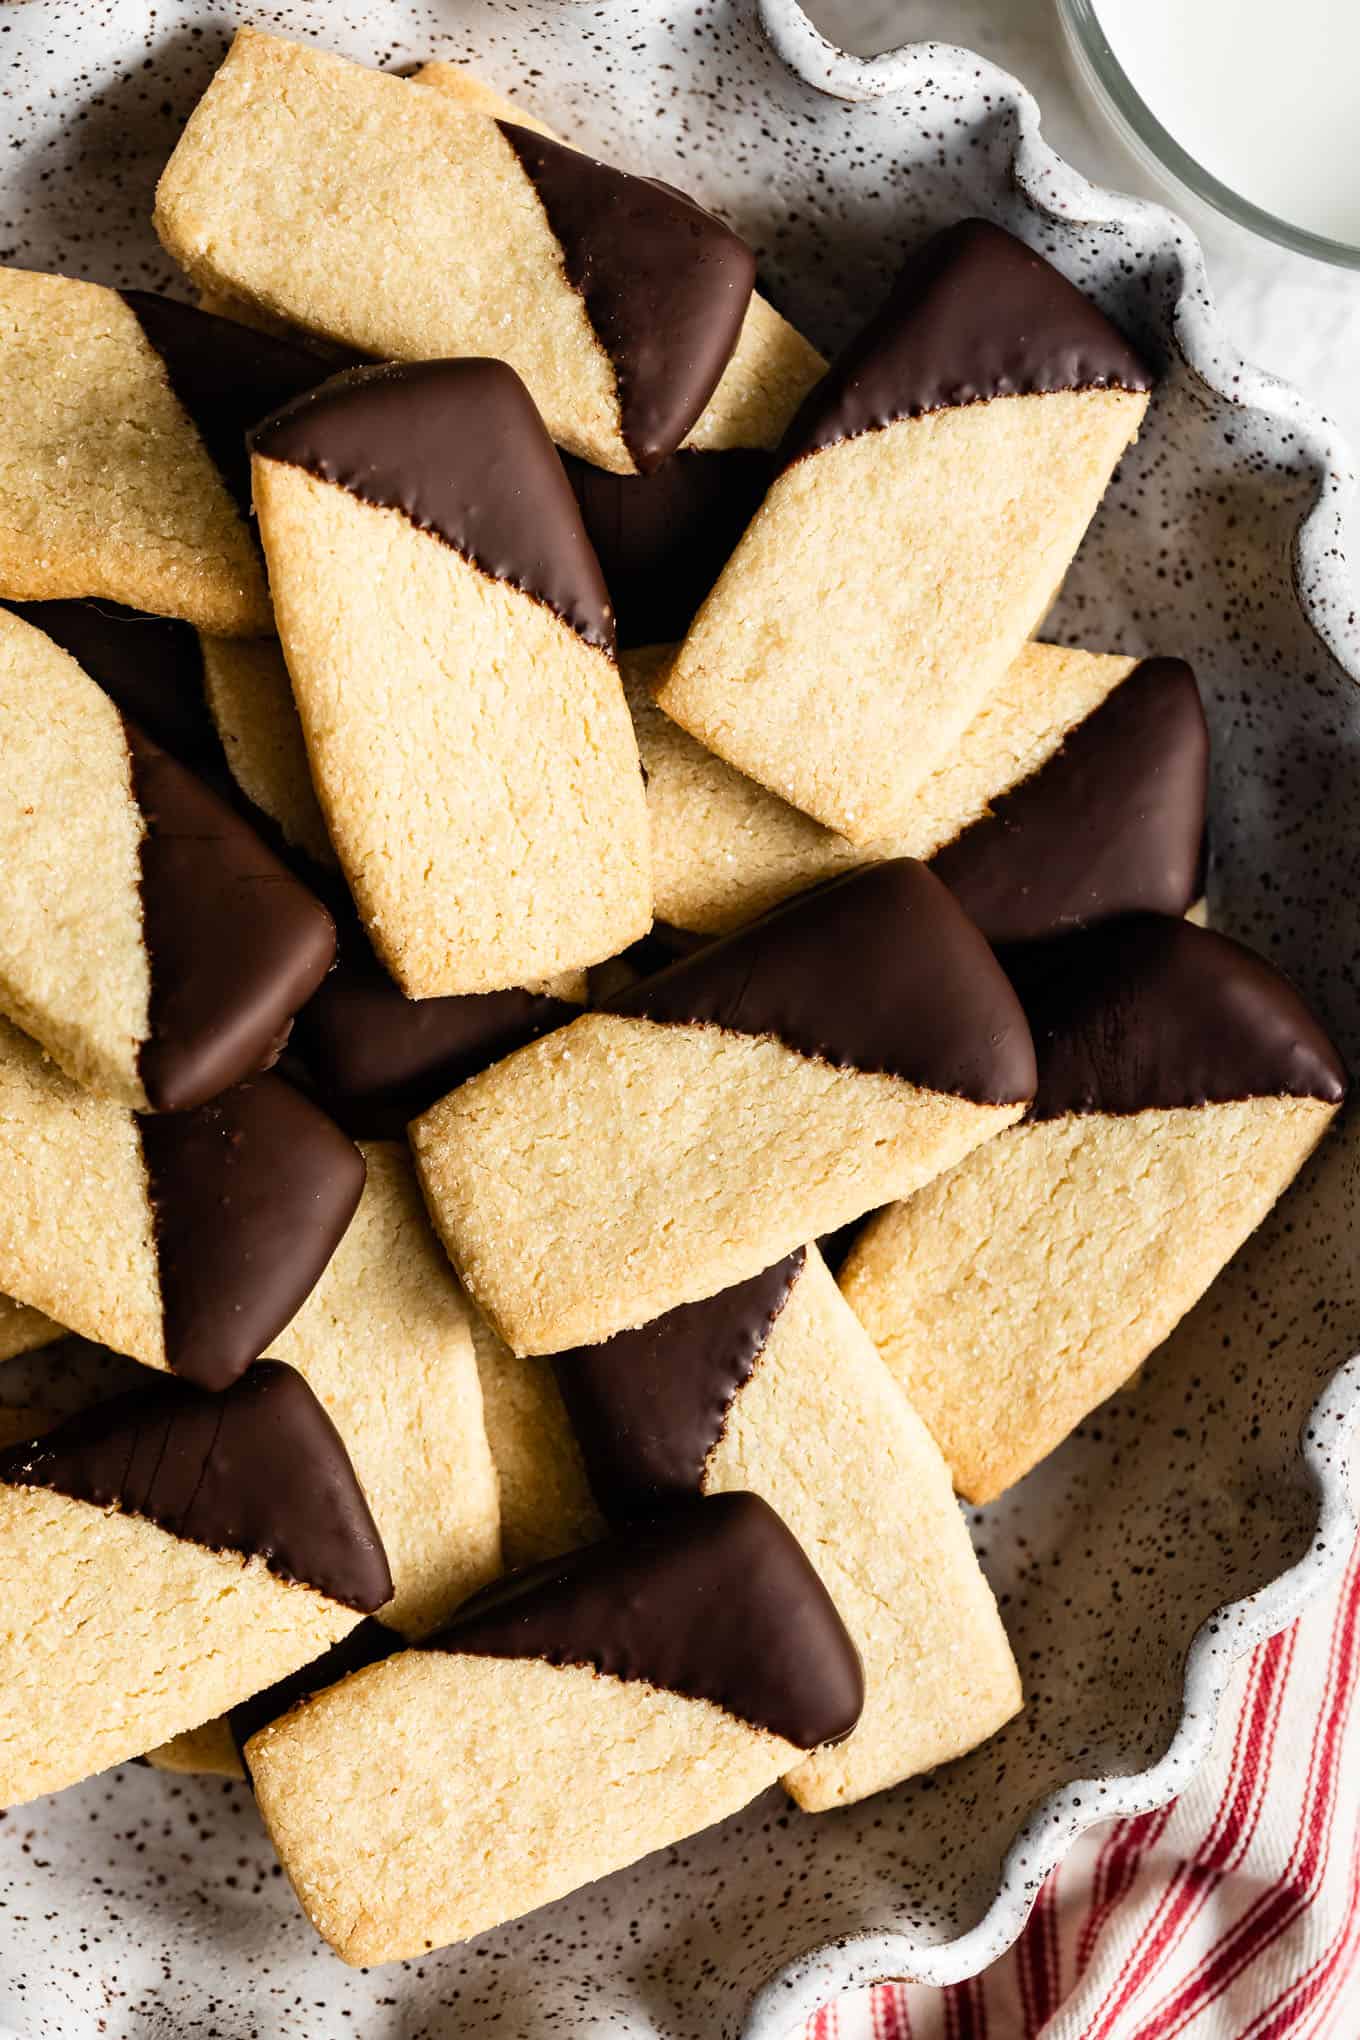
<point x="1299" y="319"/>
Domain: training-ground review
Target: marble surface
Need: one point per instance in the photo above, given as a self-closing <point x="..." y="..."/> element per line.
<point x="1299" y="319"/>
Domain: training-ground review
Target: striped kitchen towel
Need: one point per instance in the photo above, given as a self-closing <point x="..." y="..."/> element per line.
<point x="1232" y="1914"/>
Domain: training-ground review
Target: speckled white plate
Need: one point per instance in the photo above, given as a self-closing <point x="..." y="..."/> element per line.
<point x="1191" y="1516"/>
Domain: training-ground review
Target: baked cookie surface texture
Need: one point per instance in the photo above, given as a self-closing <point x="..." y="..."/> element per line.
<point x="161" y="1556"/>
<point x="573" y="1717"/>
<point x="182" y="947"/>
<point x="123" y="416"/>
<point x="616" y="299"/>
<point x="1182" y="1085"/>
<point x="450" y="645"/>
<point x="773" y="1387"/>
<point x="967" y="436"/>
<point x="721" y="1113"/>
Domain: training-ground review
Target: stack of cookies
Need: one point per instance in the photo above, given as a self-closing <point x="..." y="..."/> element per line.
<point x="608" y="1027"/>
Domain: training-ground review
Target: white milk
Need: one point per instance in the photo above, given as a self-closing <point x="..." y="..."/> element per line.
<point x="1264" y="94"/>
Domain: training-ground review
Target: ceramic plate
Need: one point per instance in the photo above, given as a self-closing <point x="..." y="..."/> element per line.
<point x="1189" y="1517"/>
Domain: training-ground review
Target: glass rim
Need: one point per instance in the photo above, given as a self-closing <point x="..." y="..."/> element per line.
<point x="1080" y="19"/>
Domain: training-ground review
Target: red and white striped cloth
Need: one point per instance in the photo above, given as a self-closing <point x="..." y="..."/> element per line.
<point x="1233" y="1914"/>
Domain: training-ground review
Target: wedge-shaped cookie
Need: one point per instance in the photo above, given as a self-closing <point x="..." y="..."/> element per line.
<point x="255" y="720"/>
<point x="1182" y="1084"/>
<point x="615" y="298"/>
<point x="186" y="1239"/>
<point x="961" y="443"/>
<point x="774" y="1387"/>
<point x="384" y="1342"/>
<point x="123" y="417"/>
<point x="375" y="1057"/>
<point x="718" y="1114"/>
<point x="148" y="939"/>
<point x="545" y="1499"/>
<point x="573" y="1718"/>
<point x="151" y="668"/>
<point x="767" y="376"/>
<point x="450" y="644"/>
<point x="161" y="1556"/>
<point x="1078" y="791"/>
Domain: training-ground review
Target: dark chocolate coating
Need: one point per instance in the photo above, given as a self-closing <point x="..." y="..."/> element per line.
<point x="648" y="1406"/>
<point x="663" y="538"/>
<point x="877" y="971"/>
<point x="665" y="284"/>
<point x="368" y="1644"/>
<point x="1157" y="1013"/>
<point x="259" y="1469"/>
<point x="1112" y="824"/>
<point x="973" y="314"/>
<point x="714" y="1599"/>
<point x="251" y="1195"/>
<point x="459" y="449"/>
<point x="151" y="668"/>
<point x="226" y="376"/>
<point x="379" y="1059"/>
<point x="236" y="945"/>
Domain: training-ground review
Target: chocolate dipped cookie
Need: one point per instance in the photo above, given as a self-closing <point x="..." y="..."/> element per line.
<point x="616" y="299"/>
<point x="450" y="644"/>
<point x="715" y="1116"/>
<point x="774" y="1387"/>
<point x="186" y="1239"/>
<point x="1182" y="1085"/>
<point x="767" y="375"/>
<point x="161" y="1556"/>
<point x="124" y="416"/>
<point x="965" y="437"/>
<point x="1077" y="792"/>
<point x="573" y="1718"/>
<point x="150" y="940"/>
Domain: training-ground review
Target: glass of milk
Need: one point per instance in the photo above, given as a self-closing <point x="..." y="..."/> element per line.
<point x="1238" y="106"/>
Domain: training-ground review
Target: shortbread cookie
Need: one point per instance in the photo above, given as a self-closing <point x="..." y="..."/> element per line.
<point x="450" y="644"/>
<point x="615" y="298"/>
<point x="186" y="1239"/>
<point x="209" y="1749"/>
<point x="250" y="701"/>
<point x="713" y="1117"/>
<point x="545" y="1500"/>
<point x="123" y="418"/>
<point x="1112" y="823"/>
<point x="1078" y="790"/>
<point x="378" y="1058"/>
<point x="572" y="1719"/>
<point x="150" y="667"/>
<point x="375" y="1057"/>
<point x="467" y="89"/>
<point x="163" y="1555"/>
<point x="962" y="442"/>
<point x="23" y="1330"/>
<point x="769" y="373"/>
<point x="150" y="940"/>
<point x="767" y="376"/>
<point x="1182" y="1083"/>
<point x="774" y="1387"/>
<point x="384" y="1341"/>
